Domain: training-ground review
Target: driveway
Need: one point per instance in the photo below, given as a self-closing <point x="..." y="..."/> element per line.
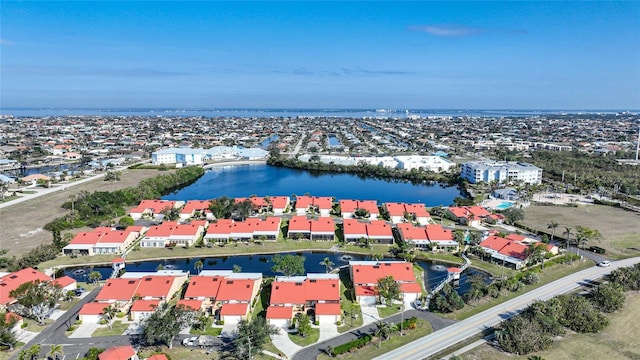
<point x="369" y="314"/>
<point x="327" y="331"/>
<point x="84" y="330"/>
<point x="284" y="344"/>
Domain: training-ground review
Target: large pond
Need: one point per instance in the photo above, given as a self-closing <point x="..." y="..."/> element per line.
<point x="261" y="180"/>
<point x="434" y="272"/>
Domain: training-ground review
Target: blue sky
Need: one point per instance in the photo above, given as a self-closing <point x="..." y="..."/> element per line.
<point x="418" y="55"/>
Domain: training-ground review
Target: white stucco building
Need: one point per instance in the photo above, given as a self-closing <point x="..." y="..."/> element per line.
<point x="501" y="171"/>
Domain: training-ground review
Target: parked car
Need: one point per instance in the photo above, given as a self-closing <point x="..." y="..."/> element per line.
<point x="605" y="263"/>
<point x="79" y="291"/>
<point x="192" y="341"/>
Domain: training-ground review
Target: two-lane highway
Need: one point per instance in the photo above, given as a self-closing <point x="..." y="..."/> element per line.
<point x="460" y="331"/>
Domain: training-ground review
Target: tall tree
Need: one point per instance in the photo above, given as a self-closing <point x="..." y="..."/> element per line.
<point x="553" y="226"/>
<point x="382" y="331"/>
<point x="7" y="333"/>
<point x="35" y="299"/>
<point x="31" y="353"/>
<point x="251" y="336"/>
<point x="288" y="265"/>
<point x="95" y="276"/>
<point x="304" y="324"/>
<point x="165" y="324"/>
<point x="388" y="290"/>
<point x="108" y="314"/>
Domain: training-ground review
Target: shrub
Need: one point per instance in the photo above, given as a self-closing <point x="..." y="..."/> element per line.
<point x="339" y="323"/>
<point x="71" y="328"/>
<point x="355" y="344"/>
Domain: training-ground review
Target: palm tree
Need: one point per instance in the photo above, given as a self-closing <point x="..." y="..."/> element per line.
<point x="198" y="265"/>
<point x="567" y="235"/>
<point x="109" y="313"/>
<point x="552" y="225"/>
<point x="327" y="264"/>
<point x="382" y="330"/>
<point x="55" y="352"/>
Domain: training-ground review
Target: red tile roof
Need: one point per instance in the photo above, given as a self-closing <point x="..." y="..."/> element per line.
<point x="417" y="209"/>
<point x="195" y="205"/>
<point x="234" y="309"/>
<point x="323" y="202"/>
<point x="322" y="225"/>
<point x="379" y="228"/>
<point x="156" y="206"/>
<point x="236" y="289"/>
<point x="369" y="274"/>
<point x="190" y="229"/>
<point x="279" y="312"/>
<point x="366" y="290"/>
<point x="155" y="286"/>
<point x="190" y="304"/>
<point x="348" y="206"/>
<point x="303" y="202"/>
<point x="221" y="227"/>
<point x="279" y="202"/>
<point x="203" y="286"/>
<point x="114" y="237"/>
<point x="158" y="357"/>
<point x="163" y="230"/>
<point x="64" y="281"/>
<point x="328" y="309"/>
<point x="370" y="205"/>
<point x="145" y="305"/>
<point x="438" y="233"/>
<point x="410" y="232"/>
<point x="395" y="209"/>
<point x="87" y="238"/>
<point x="118" y="353"/>
<point x="118" y="289"/>
<point x="93" y="308"/>
<point x="299" y="224"/>
<point x="299" y="292"/>
<point x="354" y="227"/>
<point x="13" y="280"/>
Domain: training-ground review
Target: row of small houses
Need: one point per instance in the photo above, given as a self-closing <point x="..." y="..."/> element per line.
<point x="279" y="205"/>
<point x="230" y="297"/>
<point x="105" y="240"/>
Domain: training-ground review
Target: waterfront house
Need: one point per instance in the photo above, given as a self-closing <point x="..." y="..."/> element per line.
<point x="369" y="207"/>
<point x="415" y="235"/>
<point x="317" y="295"/>
<point x="505" y="251"/>
<point x="377" y="231"/>
<point x="66" y="283"/>
<point x="441" y="238"/>
<point x="319" y="205"/>
<point x="196" y="207"/>
<point x="83" y="243"/>
<point x="354" y="230"/>
<point x="402" y="212"/>
<point x="219" y="232"/>
<point x="117" y="241"/>
<point x="365" y="275"/>
<point x="186" y="235"/>
<point x="469" y="215"/>
<point x="158" y="236"/>
<point x="152" y="208"/>
<point x="142" y="309"/>
<point x="227" y="295"/>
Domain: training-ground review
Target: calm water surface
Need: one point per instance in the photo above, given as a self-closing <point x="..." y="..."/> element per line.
<point x="261" y="180"/>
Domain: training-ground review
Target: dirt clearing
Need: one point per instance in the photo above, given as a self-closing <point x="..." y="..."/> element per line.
<point x="21" y="224"/>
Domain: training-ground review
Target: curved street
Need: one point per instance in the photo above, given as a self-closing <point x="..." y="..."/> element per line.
<point x="439" y="341"/>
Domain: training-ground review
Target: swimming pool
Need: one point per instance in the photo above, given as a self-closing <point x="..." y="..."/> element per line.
<point x="503" y="205"/>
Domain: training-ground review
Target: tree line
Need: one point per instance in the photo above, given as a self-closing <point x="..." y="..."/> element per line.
<point x="364" y="170"/>
<point x="90" y="209"/>
<point x="535" y="328"/>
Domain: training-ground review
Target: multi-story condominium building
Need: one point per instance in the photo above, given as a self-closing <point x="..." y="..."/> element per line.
<point x="501" y="171"/>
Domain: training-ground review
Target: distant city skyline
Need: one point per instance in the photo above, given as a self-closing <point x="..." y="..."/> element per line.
<point x="379" y="55"/>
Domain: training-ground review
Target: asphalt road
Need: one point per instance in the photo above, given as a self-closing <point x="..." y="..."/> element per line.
<point x="439" y="341"/>
<point x="311" y="352"/>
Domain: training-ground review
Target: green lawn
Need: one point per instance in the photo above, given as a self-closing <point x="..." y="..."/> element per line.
<point x="395" y="341"/>
<point x="385" y="311"/>
<point x="208" y="329"/>
<point x="33" y="325"/>
<point x="311" y="338"/>
<point x="117" y="328"/>
<point x="347" y="298"/>
<point x="260" y="309"/>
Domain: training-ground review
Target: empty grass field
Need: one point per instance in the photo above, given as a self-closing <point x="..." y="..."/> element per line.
<point x="620" y="229"/>
<point x="618" y="341"/>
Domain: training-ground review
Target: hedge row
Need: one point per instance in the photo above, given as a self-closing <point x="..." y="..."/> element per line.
<point x="355" y="344"/>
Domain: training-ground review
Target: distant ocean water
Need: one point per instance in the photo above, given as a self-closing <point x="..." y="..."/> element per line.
<point x="280" y="112"/>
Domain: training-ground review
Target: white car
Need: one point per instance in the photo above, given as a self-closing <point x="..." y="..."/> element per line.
<point x="190" y="341"/>
<point x="605" y="263"/>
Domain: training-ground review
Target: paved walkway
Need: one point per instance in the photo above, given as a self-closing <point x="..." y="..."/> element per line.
<point x="369" y="314"/>
<point x="84" y="330"/>
<point x="24" y="335"/>
<point x="56" y="314"/>
<point x="284" y="344"/>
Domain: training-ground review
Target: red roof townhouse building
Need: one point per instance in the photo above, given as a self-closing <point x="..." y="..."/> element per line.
<point x="227" y="295"/>
<point x="320" y="205"/>
<point x="317" y="295"/>
<point x="365" y="276"/>
<point x="349" y="207"/>
<point x="321" y="229"/>
<point x="377" y="231"/>
<point x="152" y="208"/>
<point x="196" y="207"/>
<point x="505" y="251"/>
<point x="402" y="212"/>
